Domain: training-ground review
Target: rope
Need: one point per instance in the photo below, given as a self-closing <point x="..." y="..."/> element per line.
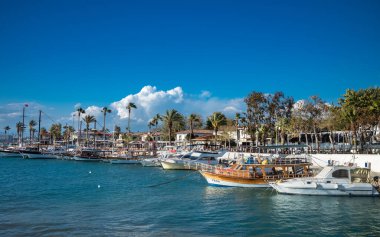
<point x="170" y="181"/>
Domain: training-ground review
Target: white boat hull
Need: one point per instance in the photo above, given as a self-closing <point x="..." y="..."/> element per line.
<point x="333" y="190"/>
<point x="125" y="161"/>
<point x="39" y="156"/>
<point x="151" y="162"/>
<point x="77" y="158"/>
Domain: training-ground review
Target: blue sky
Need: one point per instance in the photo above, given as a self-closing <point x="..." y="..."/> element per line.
<point x="58" y="54"/>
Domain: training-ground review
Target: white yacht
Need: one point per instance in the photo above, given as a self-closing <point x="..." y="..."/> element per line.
<point x="332" y="181"/>
<point x="191" y="160"/>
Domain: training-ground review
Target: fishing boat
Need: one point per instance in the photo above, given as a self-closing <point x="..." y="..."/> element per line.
<point x="93" y="155"/>
<point x="191" y="160"/>
<point x="256" y="172"/>
<point x="332" y="181"/>
<point x="35" y="153"/>
<point x="10" y="152"/>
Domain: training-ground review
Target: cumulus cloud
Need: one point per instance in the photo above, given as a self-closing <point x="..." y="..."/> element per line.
<point x="148" y="101"/>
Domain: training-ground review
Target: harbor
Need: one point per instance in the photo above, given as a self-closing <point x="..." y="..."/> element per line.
<point x="144" y="201"/>
<point x="190" y="118"/>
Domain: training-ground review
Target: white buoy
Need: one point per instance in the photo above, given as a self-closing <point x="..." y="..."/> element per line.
<point x="89" y="172"/>
<point x="98" y="186"/>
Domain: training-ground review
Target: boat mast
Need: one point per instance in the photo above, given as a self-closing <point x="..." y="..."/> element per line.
<point x="23" y="126"/>
<point x="39" y="130"/>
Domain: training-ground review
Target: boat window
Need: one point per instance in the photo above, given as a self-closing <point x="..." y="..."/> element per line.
<point x="340" y="174"/>
<point x="329" y="182"/>
<point x="308" y="182"/>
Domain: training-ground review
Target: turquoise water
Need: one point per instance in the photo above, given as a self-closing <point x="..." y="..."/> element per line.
<point x="63" y="198"/>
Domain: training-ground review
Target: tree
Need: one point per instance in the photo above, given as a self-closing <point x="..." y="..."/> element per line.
<point x="6" y="129"/>
<point x="237" y="120"/>
<point x="170" y="118"/>
<point x="129" y="107"/>
<point x="19" y="128"/>
<point x="32" y="124"/>
<point x="216" y="120"/>
<point x="88" y="119"/>
<point x="105" y="110"/>
<point x="80" y="111"/>
<point x="156" y="119"/>
<point x="68" y="130"/>
<point x="117" y="130"/>
<point x="255" y="116"/>
<point x="56" y="131"/>
<point x="194" y="120"/>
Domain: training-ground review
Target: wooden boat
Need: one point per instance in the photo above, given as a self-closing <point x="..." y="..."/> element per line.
<point x="256" y="172"/>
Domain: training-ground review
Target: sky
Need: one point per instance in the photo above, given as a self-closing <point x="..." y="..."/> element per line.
<point x="193" y="56"/>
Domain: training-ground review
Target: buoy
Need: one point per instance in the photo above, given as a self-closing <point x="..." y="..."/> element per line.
<point x="98" y="186"/>
<point x="89" y="172"/>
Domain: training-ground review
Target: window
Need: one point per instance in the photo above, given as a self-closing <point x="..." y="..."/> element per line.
<point x="340" y="174"/>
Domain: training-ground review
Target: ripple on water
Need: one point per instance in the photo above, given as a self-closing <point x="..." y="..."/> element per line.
<point x="60" y="198"/>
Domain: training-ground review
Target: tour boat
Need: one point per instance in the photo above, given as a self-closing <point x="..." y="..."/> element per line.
<point x="255" y="172"/>
<point x="192" y="160"/>
<point x="332" y="181"/>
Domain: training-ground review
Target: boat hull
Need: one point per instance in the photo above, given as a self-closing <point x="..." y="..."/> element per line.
<point x="219" y="180"/>
<point x="38" y="156"/>
<point x="151" y="162"/>
<point x="339" y="190"/>
<point x="78" y="158"/>
<point x="125" y="161"/>
<point x="9" y="154"/>
<point x="167" y="165"/>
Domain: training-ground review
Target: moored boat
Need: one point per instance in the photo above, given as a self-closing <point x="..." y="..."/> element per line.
<point x="35" y="153"/>
<point x="191" y="160"/>
<point x="90" y="155"/>
<point x="10" y="152"/>
<point x="332" y="181"/>
<point x="255" y="172"/>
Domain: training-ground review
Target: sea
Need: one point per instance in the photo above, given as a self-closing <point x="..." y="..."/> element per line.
<point x="73" y="198"/>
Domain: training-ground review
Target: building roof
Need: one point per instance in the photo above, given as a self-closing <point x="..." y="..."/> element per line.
<point x="198" y="131"/>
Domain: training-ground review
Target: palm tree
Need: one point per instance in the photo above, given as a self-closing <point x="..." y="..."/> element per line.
<point x="117" y="132"/>
<point x="20" y="128"/>
<point x="6" y="129"/>
<point x="80" y="111"/>
<point x="88" y="119"/>
<point x="67" y="133"/>
<point x="150" y="125"/>
<point x="55" y="131"/>
<point x="129" y="107"/>
<point x="216" y="120"/>
<point x="193" y="120"/>
<point x="169" y="119"/>
<point x="237" y="119"/>
<point x="105" y="110"/>
<point x="32" y="124"/>
<point x="156" y="119"/>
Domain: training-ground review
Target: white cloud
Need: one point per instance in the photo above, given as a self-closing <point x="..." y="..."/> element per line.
<point x="148" y="101"/>
<point x="77" y="105"/>
<point x="205" y="94"/>
<point x="94" y="111"/>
